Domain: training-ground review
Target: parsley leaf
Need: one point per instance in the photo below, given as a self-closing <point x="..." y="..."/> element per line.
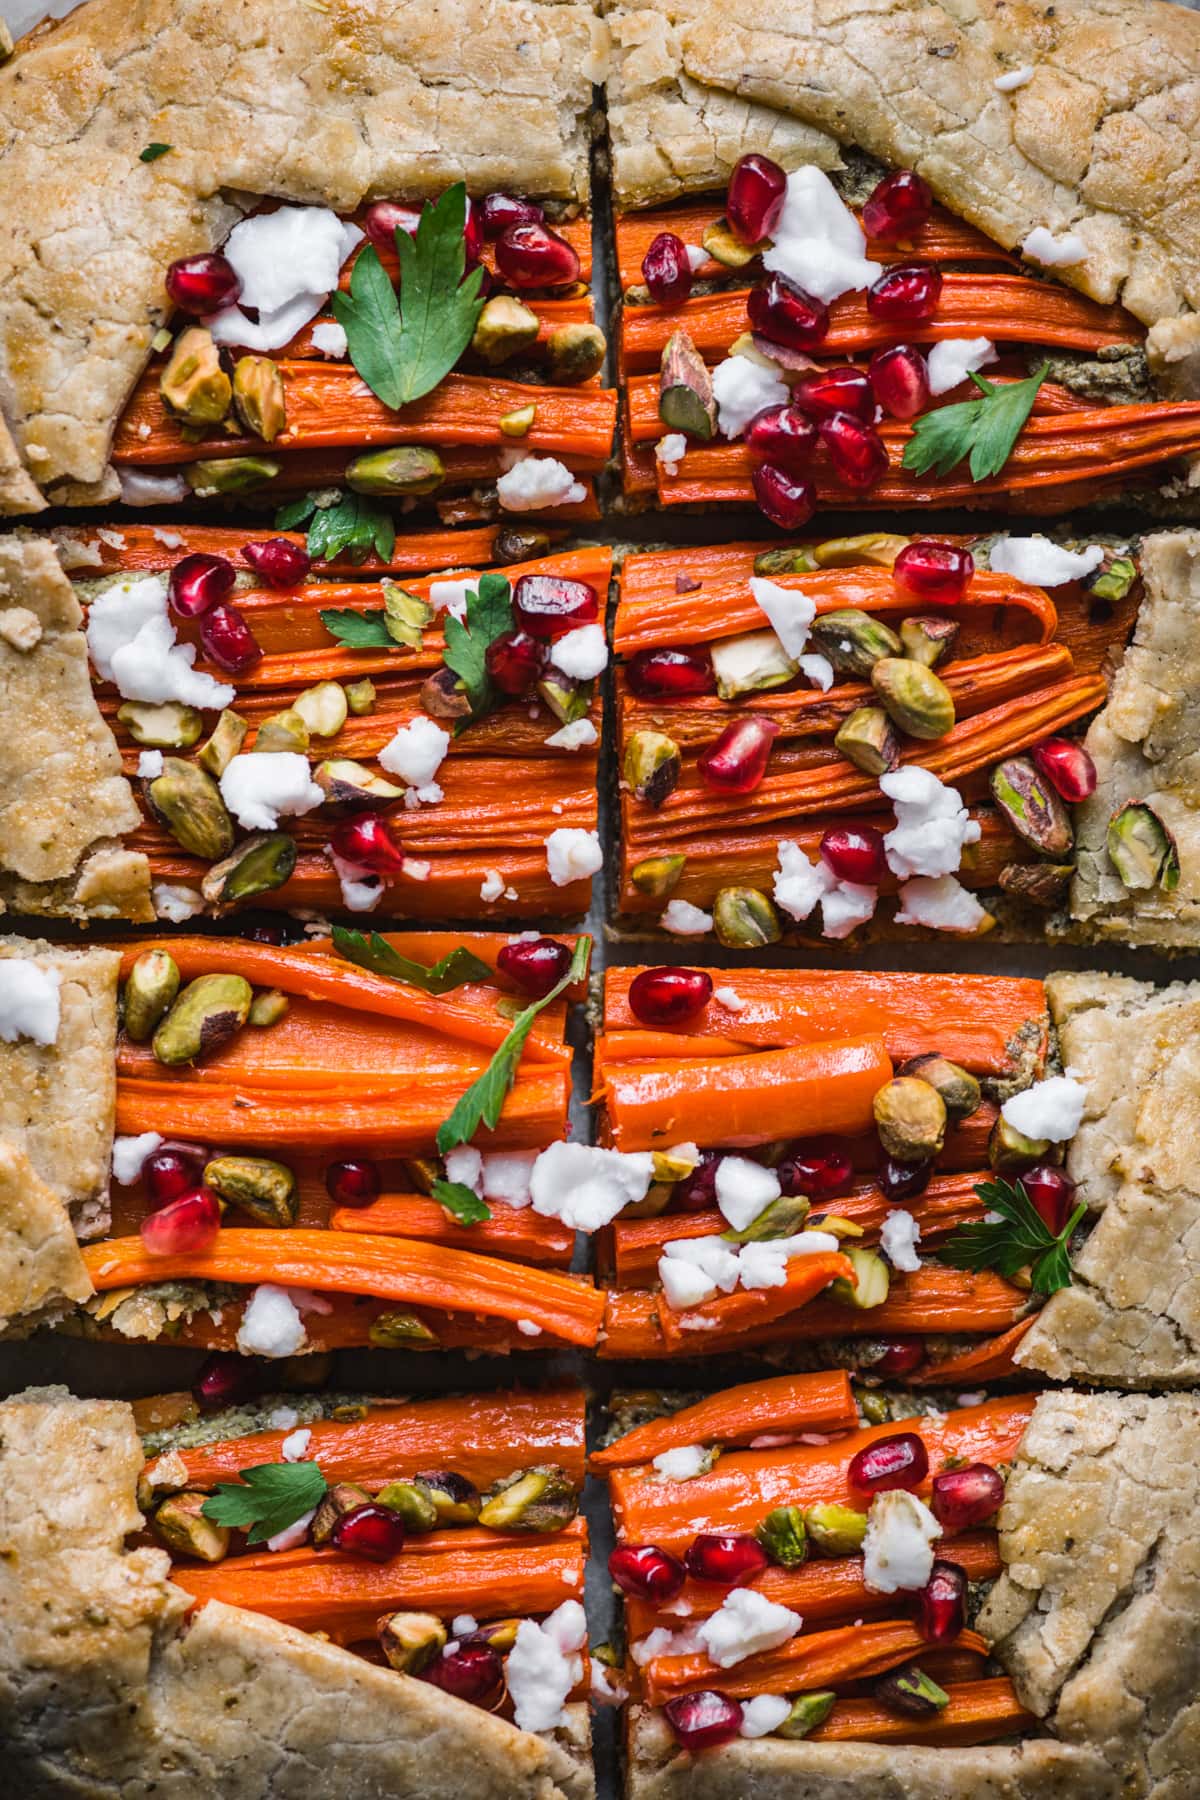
<point x="484" y="1100"/>
<point x="404" y="347"/>
<point x="267" y="1499"/>
<point x="152" y="152"/>
<point x="985" y="429"/>
<point x="462" y="1201"/>
<point x="295" y="512"/>
<point x="376" y="954"/>
<point x="489" y="614"/>
<point x="351" y="524"/>
<point x="358" y="630"/>
<point x="1019" y="1238"/>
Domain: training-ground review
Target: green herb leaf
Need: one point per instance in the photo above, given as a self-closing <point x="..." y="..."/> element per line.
<point x="295" y="512"/>
<point x="375" y="953"/>
<point x="404" y="347"/>
<point x="267" y="1499"/>
<point x="358" y="630"/>
<point x="152" y="152"/>
<point x="462" y="1201"/>
<point x="1020" y="1238"/>
<point x="985" y="429"/>
<point x="351" y="525"/>
<point x="489" y="614"/>
<point x="484" y="1100"/>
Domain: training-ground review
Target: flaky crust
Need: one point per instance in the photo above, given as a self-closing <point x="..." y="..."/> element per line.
<point x="40" y="1264"/>
<point x="331" y="104"/>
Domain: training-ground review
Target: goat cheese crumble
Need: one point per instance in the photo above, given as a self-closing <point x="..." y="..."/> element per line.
<point x="537" y="481"/>
<point x="1040" y="562"/>
<point x="261" y="787"/>
<point x="745" y="1625"/>
<point x="898" y="1547"/>
<point x="132" y="643"/>
<point x="30" y="1001"/>
<point x="1050" y="1109"/>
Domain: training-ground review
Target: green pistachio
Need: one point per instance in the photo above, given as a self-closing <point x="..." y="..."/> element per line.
<point x="657" y="875"/>
<point x="282" y="732"/>
<point x="209" y="1011"/>
<point x="181" y="1525"/>
<point x="413" y="1501"/>
<point x="261" y="862"/>
<point x="230" y="474"/>
<point x="360" y="696"/>
<point x="910" y="1117"/>
<point x="652" y="766"/>
<point x="226" y="741"/>
<point x="455" y="1499"/>
<point x="188" y="803"/>
<point x="808" y="1711"/>
<point x="685" y="394"/>
<point x="1112" y="580"/>
<point x="1032" y="808"/>
<point x="336" y="1502"/>
<point x="1040" y="884"/>
<point x="410" y="1640"/>
<point x="878" y="548"/>
<point x="405" y="615"/>
<point x="782" y="1218"/>
<point x="519" y="422"/>
<point x="443" y="695"/>
<point x="853" y="641"/>
<point x="168" y="726"/>
<point x="868" y="739"/>
<point x="916" y="699"/>
<point x="400" y="1331"/>
<point x="538" y="1499"/>
<point x="784" y="562"/>
<point x="873" y="1405"/>
<point x="398" y="469"/>
<point x="567" y="698"/>
<point x="911" y="1693"/>
<point x="960" y="1092"/>
<point x="1009" y="1150"/>
<point x="268" y="1007"/>
<point x="512" y="545"/>
<point x="783" y="1537"/>
<point x="575" y="353"/>
<point x="505" y="327"/>
<point x="750" y="664"/>
<point x="258" y="396"/>
<point x="835" y="1530"/>
<point x="255" y="1185"/>
<point x="1142" y="850"/>
<point x="872" y="1280"/>
<point x="354" y="786"/>
<point x="193" y="384"/>
<point x="745" y="919"/>
<point x="725" y="247"/>
<point x="152" y="985"/>
<point x="929" y="640"/>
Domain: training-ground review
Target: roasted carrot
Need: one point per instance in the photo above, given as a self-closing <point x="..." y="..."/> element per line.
<point x="418" y="552"/>
<point x="518" y="1233"/>
<point x="726" y="1316"/>
<point x="787" y="1403"/>
<point x="992" y="1360"/>
<point x="978" y="1712"/>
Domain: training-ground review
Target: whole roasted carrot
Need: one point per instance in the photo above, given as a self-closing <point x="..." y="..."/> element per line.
<point x="518" y="1233"/>
<point x="978" y="1713"/>
<point x="787" y="1403"/>
<point x="415" y="552"/>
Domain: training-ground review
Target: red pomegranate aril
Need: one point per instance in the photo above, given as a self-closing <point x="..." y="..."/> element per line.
<point x="226" y="1379"/>
<point x="757" y="189"/>
<point x="905" y="293"/>
<point x="789" y="501"/>
<point x="354" y="1181"/>
<point x="737" y="762"/>
<point x="899" y="1357"/>
<point x="704" y="1721"/>
<point x="228" y="640"/>
<point x="646" y="1572"/>
<point x="183" y="1227"/>
<point x="697" y="1192"/>
<point x="280" y="562"/>
<point x="784" y="436"/>
<point x="666" y="269"/>
<point x="897" y="207"/>
<point x="827" y="391"/>
<point x="942" y="1603"/>
<point x="965" y="1497"/>
<point x="855" y="853"/>
<point x="500" y="211"/>
<point x="662" y="998"/>
<point x="472" y="236"/>
<point x="856" y="450"/>
<point x="671" y="674"/>
<point x="784" y="314"/>
<point x="899" y="378"/>
<point x="169" y="1173"/>
<point x="546" y="606"/>
<point x="471" y="1672"/>
<point x="819" y="1167"/>
<point x="203" y="284"/>
<point x="533" y="256"/>
<point x="1067" y="767"/>
<point x="933" y="573"/>
<point x="367" y="843"/>
<point x="197" y="583"/>
<point x="514" y="661"/>
<point x="901" y="1180"/>
<point x="263" y="934"/>
<point x="535" y="964"/>
<point x="1052" y="1192"/>
<point x="727" y="1561"/>
<point x="371" y="1531"/>
<point x="382" y="221"/>
<point x="900" y="1461"/>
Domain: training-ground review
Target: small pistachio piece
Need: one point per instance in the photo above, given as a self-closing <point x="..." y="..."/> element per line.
<point x="400" y="1331"/>
<point x="873" y="1280"/>
<point x="261" y="862"/>
<point x="835" y="1530"/>
<point x="1112" y="580"/>
<point x="671" y="1167"/>
<point x="228" y="736"/>
<point x="499" y="1634"/>
<point x="323" y="708"/>
<point x="1141" y="849"/>
<point x="455" y="1498"/>
<point x="188" y="802"/>
<point x="567" y="698"/>
<point x="928" y="640"/>
<point x="443" y="696"/>
<point x="518" y="423"/>
<point x="1041" y="884"/>
<point x="868" y="740"/>
<point x="230" y="474"/>
<point x="576" y="353"/>
<point x="423" y="1171"/>
<point x="360" y="696"/>
<point x="412" y="1501"/>
<point x="657" y="875"/>
<point x="193" y="384"/>
<point x="782" y="1218"/>
<point x="183" y="1528"/>
<point x="745" y="919"/>
<point x="539" y="1499"/>
<point x="960" y="1092"/>
<point x="505" y="327"/>
<point x="264" y="1189"/>
<point x="282" y="731"/>
<point x="783" y="1537"/>
<point x="915" y="699"/>
<point x="879" y="548"/>
<point x="685" y="393"/>
<point x="410" y="1640"/>
<point x="399" y="469"/>
<point x="209" y="1011"/>
<point x="268" y="1006"/>
<point x="835" y="1225"/>
<point x="1031" y="806"/>
<point x="725" y="247"/>
<point x="405" y="615"/>
<point x="353" y="785"/>
<point x="652" y="766"/>
<point x="1009" y="1150"/>
<point x="336" y="1502"/>
<point x="808" y="1711"/>
<point x="853" y="641"/>
<point x="653" y="1204"/>
<point x="911" y="1692"/>
<point x="512" y="545"/>
<point x="784" y="562"/>
<point x="910" y="1117"/>
<point x="150" y="989"/>
<point x="258" y="396"/>
<point x="167" y="726"/>
<point x="750" y="664"/>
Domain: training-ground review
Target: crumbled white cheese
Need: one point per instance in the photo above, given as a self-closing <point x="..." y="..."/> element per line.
<point x="1050" y="1109"/>
<point x="746" y="1624"/>
<point x="271" y="1324"/>
<point x="585" y="1185"/>
<point x="664" y="1642"/>
<point x="580" y="734"/>
<point x="492" y="886"/>
<point x="544" y="1665"/>
<point x="507" y="1176"/>
<point x="940" y="903"/>
<point x="132" y="643"/>
<point x="684" y="919"/>
<point x="452" y="594"/>
<point x="572" y="854"/>
<point x="899" y="1236"/>
<point x="170" y="540"/>
<point x="294" y="1447"/>
<point x="465" y="1165"/>
<point x="765" y="1264"/>
<point x="898" y="1547"/>
<point x="953" y="359"/>
<point x="283" y="1418"/>
<point x="288" y="261"/>
<point x="1041" y="246"/>
<point x="260" y="788"/>
<point x="818" y="669"/>
<point x="763" y="1714"/>
<point x="538" y="481"/>
<point x="464" y="1625"/>
<point x="1013" y="78"/>
<point x="753" y="659"/>
<point x="744" y="1189"/>
<point x="330" y="339"/>
<point x="789" y="612"/>
<point x="932" y="824"/>
<point x="683" y="1463"/>
<point x="697" y="256"/>
<point x="361" y="892"/>
<point x="30" y="1001"/>
<point x="669" y="451"/>
<point x="716" y="1260"/>
<point x="150" y="765"/>
<point x="684" y="1284"/>
<point x="846" y="906"/>
<point x="1040" y="562"/>
<point x="730" y="998"/>
<point x="527" y="1328"/>
<point x="416" y="752"/>
<point x="741" y="389"/>
<point x="175" y="903"/>
<point x="146" y="487"/>
<point x="582" y="653"/>
<point x="293" y="1535"/>
<point x="130" y="1153"/>
<point x="800" y="885"/>
<point x="818" y="242"/>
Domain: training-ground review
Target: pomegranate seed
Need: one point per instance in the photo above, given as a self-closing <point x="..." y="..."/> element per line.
<point x="226" y="1379"/>
<point x="666" y="997"/>
<point x="280" y="562"/>
<point x="737" y="762"/>
<point x="514" y="661"/>
<point x="535" y="964"/>
<point x="671" y="674"/>
<point x="697" y="1192"/>
<point x="899" y="378"/>
<point x="1052" y="1192"/>
<point x="892" y="1462"/>
<point x="784" y="314"/>
<point x="900" y="1180"/>
<point x="666" y="269"/>
<point x="370" y="1530"/>
<point x="198" y="582"/>
<point x="472" y="1672"/>
<point x="203" y="284"/>
<point x="1067" y="767"/>
<point x="727" y="1560"/>
<point x="183" y="1227"/>
<point x="472" y="237"/>
<point x="933" y="573"/>
<point x="856" y="450"/>
<point x="897" y="208"/>
<point x="228" y="640"/>
<point x="367" y="843"/>
<point x="169" y="1173"/>
<point x="828" y="391"/>
<point x="905" y="293"/>
<point x="755" y="199"/>
<point x="263" y="934"/>
<point x="899" y="1357"/>
<point x="500" y="211"/>
<point x="646" y="1572"/>
<point x="546" y="606"/>
<point x="819" y="1167"/>
<point x="788" y="500"/>
<point x="784" y="436"/>
<point x="855" y="853"/>
<point x="705" y="1720"/>
<point x="385" y="218"/>
<point x="353" y="1182"/>
<point x="533" y="256"/>
<point x="965" y="1497"/>
<point x="942" y="1604"/>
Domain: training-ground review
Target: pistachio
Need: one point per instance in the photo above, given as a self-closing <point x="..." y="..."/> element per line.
<point x="868" y="740"/>
<point x="519" y="422"/>
<point x="1032" y="807"/>
<point x="405" y="615"/>
<point x="873" y="1405"/>
<point x="281" y="732"/>
<point x="872" y="1279"/>
<point x="774" y="358"/>
<point x="1112" y="580"/>
<point x="567" y="698"/>
<point x="443" y="696"/>
<point x="1141" y="849"/>
<point x="360" y="696"/>
<point x="323" y="708"/>
<point x="261" y="862"/>
<point x="230" y="474"/>
<point x="879" y="548"/>
<point x="853" y="641"/>
<point x="745" y="919"/>
<point x="267" y="1008"/>
<point x="750" y="664"/>
<point x="911" y="1692"/>
<point x="1041" y="884"/>
<point x="353" y="785"/>
<point x="782" y="1218"/>
<point x="455" y="1498"/>
<point x="960" y="1092"/>
<point x="784" y="562"/>
<point x="410" y="1641"/>
<point x="910" y="1117"/>
<point x="685" y="393"/>
<point x="400" y="1331"/>
<point x="183" y="1528"/>
<point x="193" y="384"/>
<point x="835" y="1225"/>
<point x="505" y="327"/>
<point x="539" y="1499"/>
<point x="335" y="1503"/>
<point x="928" y="640"/>
<point x="835" y="1530"/>
<point x="652" y="766"/>
<point x="168" y="726"/>
<point x="264" y="1189"/>
<point x="576" y="353"/>
<point x="399" y="469"/>
<point x="209" y="1011"/>
<point x="152" y="985"/>
<point x="414" y="1503"/>
<point x="227" y="739"/>
<point x="916" y="699"/>
<point x="725" y="247"/>
<point x="188" y="803"/>
<point x="670" y="1166"/>
<point x="1010" y="1151"/>
<point x="657" y="875"/>
<point x="511" y="545"/>
<point x="653" y="1204"/>
<point x="258" y="396"/>
<point x="423" y="1171"/>
<point x="498" y="1634"/>
<point x="783" y="1537"/>
<point x="808" y="1711"/>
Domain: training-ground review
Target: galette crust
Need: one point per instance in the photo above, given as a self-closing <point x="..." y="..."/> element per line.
<point x="40" y="1264"/>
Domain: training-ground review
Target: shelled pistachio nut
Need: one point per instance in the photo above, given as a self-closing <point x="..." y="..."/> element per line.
<point x="960" y="1093"/>
<point x="254" y="1184"/>
<point x="258" y="396"/>
<point x="209" y="1011"/>
<point x="1009" y="1150"/>
<point x="725" y="247"/>
<point x="1032" y="808"/>
<point x="505" y="327"/>
<point x="783" y="1537"/>
<point x="877" y="548"/>
<point x="355" y="786"/>
<point x="835" y="1530"/>
<point x="443" y="696"/>
<point x="652" y="766"/>
<point x="872" y="1280"/>
<point x="799" y="561"/>
<point x="180" y="1524"/>
<point x="513" y="545"/>
<point x="567" y="697"/>
<point x="323" y="708"/>
<point x="413" y="1501"/>
<point x="928" y="640"/>
<point x="149" y="991"/>
<point x="336" y="1502"/>
<point x="782" y="1218"/>
<point x="744" y="919"/>
<point x="456" y="1500"/>
<point x="808" y="1711"/>
<point x="261" y="862"/>
<point x="193" y="384"/>
<point x="165" y="726"/>
<point x="229" y="734"/>
<point x="685" y="394"/>
<point x="537" y="1499"/>
<point x="1040" y="884"/>
<point x="230" y="474"/>
<point x="281" y="732"/>
<point x="576" y="353"/>
<point x="915" y="699"/>
<point x="910" y="1117"/>
<point x="268" y="1006"/>
<point x="399" y="469"/>
<point x="405" y="615"/>
<point x="1141" y="849"/>
<point x="400" y="1331"/>
<point x="411" y="1640"/>
<point x="657" y="875"/>
<point x="853" y="641"/>
<point x="360" y="696"/>
<point x="187" y="802"/>
<point x="868" y="740"/>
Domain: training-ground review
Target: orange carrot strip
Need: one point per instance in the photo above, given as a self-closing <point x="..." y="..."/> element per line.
<point x="728" y="1315"/>
<point x="786" y="1403"/>
<point x="993" y="1360"/>
<point x="519" y="1233"/>
<point x="978" y="1712"/>
<point x="422" y="552"/>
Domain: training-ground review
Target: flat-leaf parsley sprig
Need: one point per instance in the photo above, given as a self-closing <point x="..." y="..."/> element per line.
<point x="1018" y="1239"/>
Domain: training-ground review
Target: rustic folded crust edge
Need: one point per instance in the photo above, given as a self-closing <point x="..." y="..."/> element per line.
<point x="106" y="1688"/>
